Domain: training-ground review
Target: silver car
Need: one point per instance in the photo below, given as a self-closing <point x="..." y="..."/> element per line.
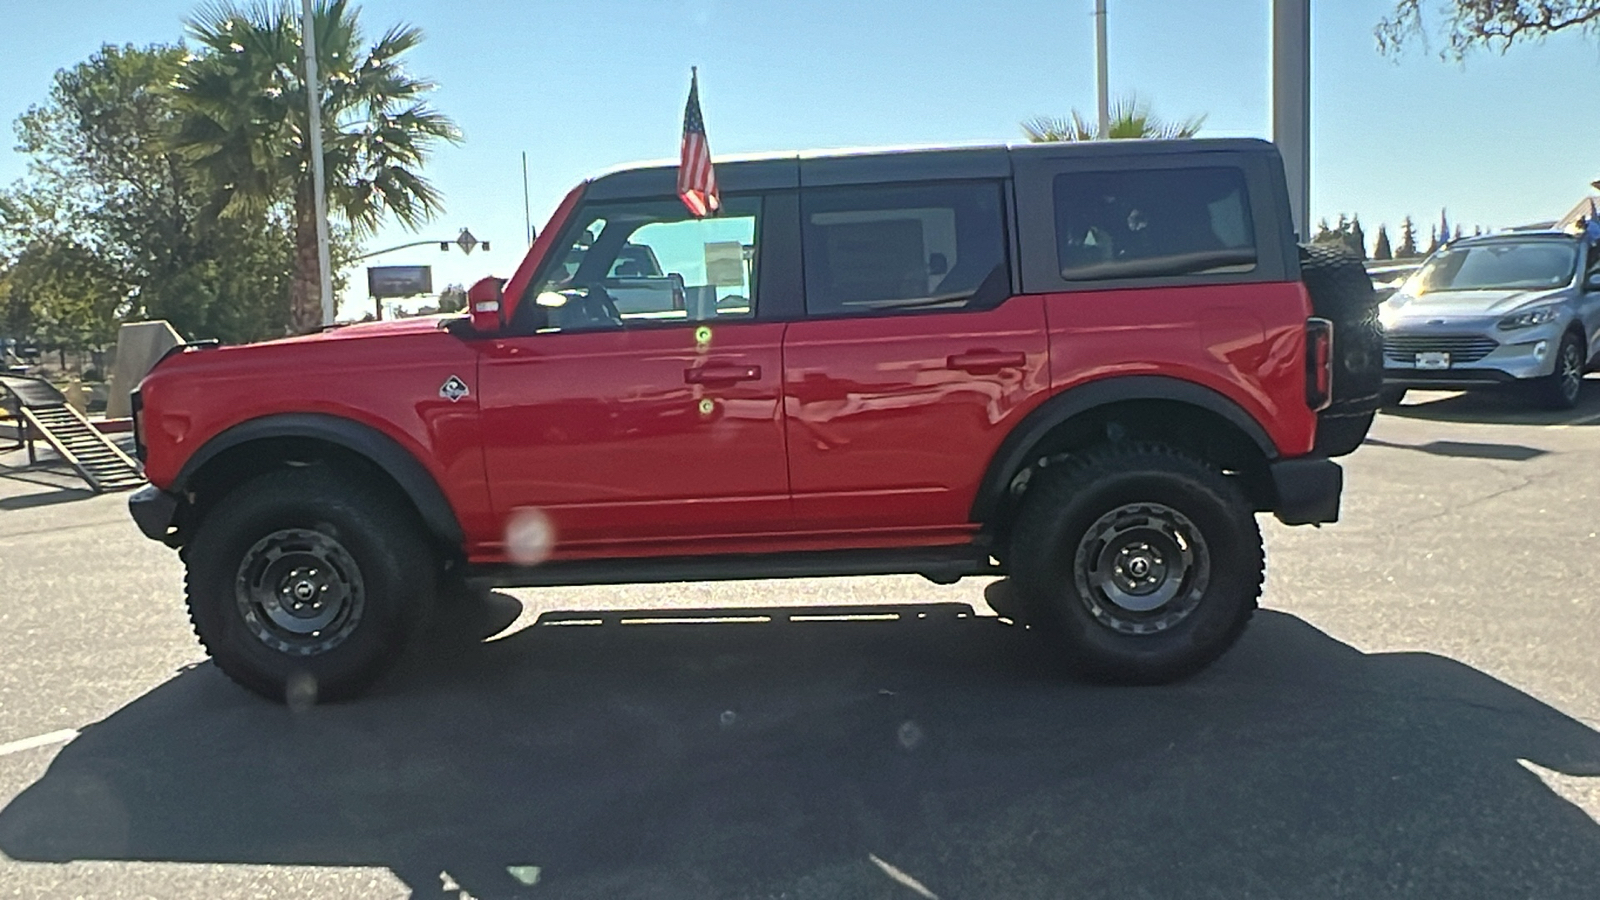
<point x="1520" y="307"/>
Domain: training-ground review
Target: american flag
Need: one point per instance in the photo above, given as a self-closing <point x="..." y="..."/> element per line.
<point x="697" y="183"/>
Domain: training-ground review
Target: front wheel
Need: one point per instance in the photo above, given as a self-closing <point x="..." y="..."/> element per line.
<point x="1148" y="560"/>
<point x="305" y="586"/>
<point x="1561" y="388"/>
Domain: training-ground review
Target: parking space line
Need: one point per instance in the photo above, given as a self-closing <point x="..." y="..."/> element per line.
<point x="1583" y="421"/>
<point x="42" y="740"/>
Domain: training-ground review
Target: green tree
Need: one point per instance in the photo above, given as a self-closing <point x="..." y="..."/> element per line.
<point x="1408" y="240"/>
<point x="1491" y="24"/>
<point x="1131" y="118"/>
<point x="1380" y="248"/>
<point x="245" y="121"/>
<point x="106" y="179"/>
<point x="1357" y="238"/>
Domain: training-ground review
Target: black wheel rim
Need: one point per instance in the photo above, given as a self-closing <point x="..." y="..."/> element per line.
<point x="1142" y="568"/>
<point x="1571" y="371"/>
<point x="299" y="592"/>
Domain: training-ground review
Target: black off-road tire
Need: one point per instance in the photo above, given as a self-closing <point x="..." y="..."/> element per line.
<point x="1562" y="388"/>
<point x="1055" y="563"/>
<point x="1341" y="292"/>
<point x="357" y="542"/>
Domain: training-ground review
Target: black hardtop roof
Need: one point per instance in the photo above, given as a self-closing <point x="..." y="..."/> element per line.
<point x="777" y="171"/>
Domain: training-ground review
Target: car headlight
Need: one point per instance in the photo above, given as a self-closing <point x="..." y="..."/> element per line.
<point x="1529" y="318"/>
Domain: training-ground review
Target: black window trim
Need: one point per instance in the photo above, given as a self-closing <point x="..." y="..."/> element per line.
<point x="1009" y="260"/>
<point x="1276" y="258"/>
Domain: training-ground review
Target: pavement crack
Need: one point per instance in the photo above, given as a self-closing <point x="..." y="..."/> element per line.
<point x="1525" y="481"/>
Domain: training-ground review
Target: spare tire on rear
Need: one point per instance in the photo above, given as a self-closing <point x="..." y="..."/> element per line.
<point x="1341" y="292"/>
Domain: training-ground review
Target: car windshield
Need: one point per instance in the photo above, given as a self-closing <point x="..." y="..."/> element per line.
<point x="1502" y="265"/>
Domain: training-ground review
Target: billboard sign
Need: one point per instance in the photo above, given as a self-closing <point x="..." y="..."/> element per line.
<point x="384" y="282"/>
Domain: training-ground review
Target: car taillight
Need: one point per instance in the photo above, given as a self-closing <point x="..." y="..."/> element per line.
<point x="1319" y="364"/>
<point x="137" y="403"/>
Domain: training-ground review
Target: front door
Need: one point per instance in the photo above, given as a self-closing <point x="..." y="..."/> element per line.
<point x="913" y="362"/>
<point x="638" y="405"/>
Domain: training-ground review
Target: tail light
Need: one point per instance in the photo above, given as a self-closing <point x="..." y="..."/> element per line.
<point x="1319" y="364"/>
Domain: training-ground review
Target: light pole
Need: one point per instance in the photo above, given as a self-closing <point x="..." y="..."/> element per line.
<point x="319" y="187"/>
<point x="1102" y="77"/>
<point x="1291" y="102"/>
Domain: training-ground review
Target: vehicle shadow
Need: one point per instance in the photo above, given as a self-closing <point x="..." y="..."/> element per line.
<point x="1498" y="406"/>
<point x="842" y="759"/>
<point x="1465" y="449"/>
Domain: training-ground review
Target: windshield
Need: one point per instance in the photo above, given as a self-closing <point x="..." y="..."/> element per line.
<point x="1505" y="265"/>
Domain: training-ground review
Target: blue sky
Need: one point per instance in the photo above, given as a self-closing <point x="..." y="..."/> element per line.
<point x="582" y="86"/>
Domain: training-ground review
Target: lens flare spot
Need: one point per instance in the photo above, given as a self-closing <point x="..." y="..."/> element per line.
<point x="702" y="337"/>
<point x="909" y="735"/>
<point x="707" y="406"/>
<point x="530" y="536"/>
<point x="300" y="691"/>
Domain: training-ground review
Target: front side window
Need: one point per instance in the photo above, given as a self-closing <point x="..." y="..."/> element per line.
<point x="1498" y="266"/>
<point x="649" y="262"/>
<point x="1147" y="223"/>
<point x="878" y="249"/>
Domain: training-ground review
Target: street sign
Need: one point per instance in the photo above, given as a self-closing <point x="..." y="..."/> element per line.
<point x="384" y="282"/>
<point x="467" y="242"/>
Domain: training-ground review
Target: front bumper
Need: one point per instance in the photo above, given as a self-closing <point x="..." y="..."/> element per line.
<point x="155" y="512"/>
<point x="1307" y="489"/>
<point x="1515" y="355"/>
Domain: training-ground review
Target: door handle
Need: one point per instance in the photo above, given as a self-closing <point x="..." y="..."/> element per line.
<point x="987" y="362"/>
<point x="717" y="374"/>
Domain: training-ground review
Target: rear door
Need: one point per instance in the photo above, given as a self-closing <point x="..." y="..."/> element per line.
<point x="912" y="362"/>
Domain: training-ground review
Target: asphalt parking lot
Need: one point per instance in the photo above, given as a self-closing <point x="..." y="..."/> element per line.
<point x="1414" y="713"/>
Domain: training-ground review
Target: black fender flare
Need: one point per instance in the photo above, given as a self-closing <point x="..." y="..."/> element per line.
<point x="1014" y="454"/>
<point x="381" y="450"/>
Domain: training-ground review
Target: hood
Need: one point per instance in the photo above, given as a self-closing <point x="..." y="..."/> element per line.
<point x="1463" y="303"/>
<point x="387" y="328"/>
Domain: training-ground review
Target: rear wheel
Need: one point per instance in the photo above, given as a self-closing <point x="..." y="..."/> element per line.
<point x="1148" y="561"/>
<point x="305" y="586"/>
<point x="1391" y="396"/>
<point x="1561" y="388"/>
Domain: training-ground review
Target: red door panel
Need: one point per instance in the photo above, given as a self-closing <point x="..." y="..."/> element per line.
<point x="1245" y="341"/>
<point x="638" y="441"/>
<point x="893" y="419"/>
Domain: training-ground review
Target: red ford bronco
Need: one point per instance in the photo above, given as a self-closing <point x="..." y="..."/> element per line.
<point x="1086" y="367"/>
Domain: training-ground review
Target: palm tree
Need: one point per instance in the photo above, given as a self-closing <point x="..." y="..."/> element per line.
<point x="244" y="125"/>
<point x="1130" y="118"/>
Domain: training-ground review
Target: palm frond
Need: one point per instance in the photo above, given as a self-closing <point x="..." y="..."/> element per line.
<point x="1130" y="119"/>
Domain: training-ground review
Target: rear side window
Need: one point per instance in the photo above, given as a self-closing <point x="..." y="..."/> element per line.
<point x="1153" y="222"/>
<point x="875" y="249"/>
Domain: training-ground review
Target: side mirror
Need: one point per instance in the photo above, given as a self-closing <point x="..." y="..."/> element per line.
<point x="1591" y="282"/>
<point x="483" y="305"/>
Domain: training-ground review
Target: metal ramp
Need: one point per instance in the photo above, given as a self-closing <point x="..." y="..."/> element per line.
<point x="35" y="402"/>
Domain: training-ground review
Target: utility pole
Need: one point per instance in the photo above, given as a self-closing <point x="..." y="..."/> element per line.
<point x="319" y="186"/>
<point x="1291" y="103"/>
<point x="1102" y="87"/>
